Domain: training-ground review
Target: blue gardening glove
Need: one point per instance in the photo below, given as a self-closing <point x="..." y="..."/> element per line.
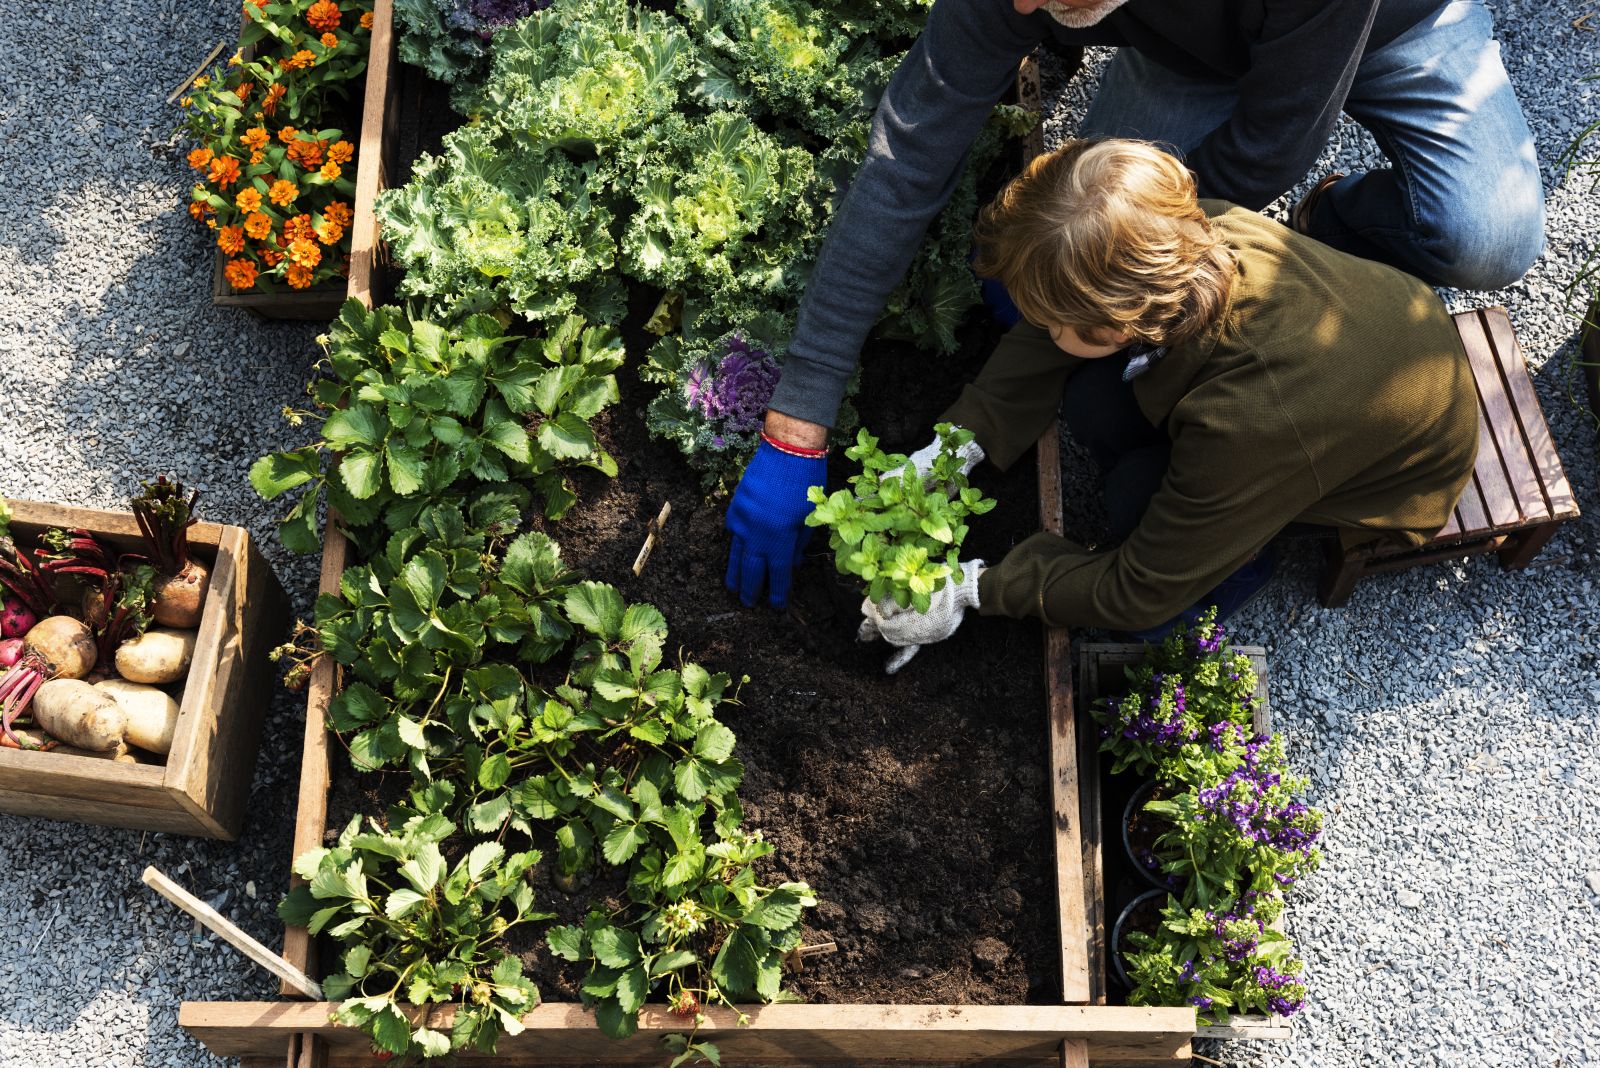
<point x="767" y="517"/>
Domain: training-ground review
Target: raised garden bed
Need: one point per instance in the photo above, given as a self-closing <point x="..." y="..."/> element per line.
<point x="1107" y="869"/>
<point x="200" y="789"/>
<point x="901" y="800"/>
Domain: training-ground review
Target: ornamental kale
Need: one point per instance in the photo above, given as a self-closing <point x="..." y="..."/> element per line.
<point x="450" y="39"/>
<point x="411" y="408"/>
<point x="899" y="531"/>
<point x="717" y="400"/>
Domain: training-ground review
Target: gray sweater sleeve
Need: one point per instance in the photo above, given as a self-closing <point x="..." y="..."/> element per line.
<point x="928" y="118"/>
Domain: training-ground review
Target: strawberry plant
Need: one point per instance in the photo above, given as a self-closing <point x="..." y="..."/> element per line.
<point x="411" y="408"/>
<point x="895" y="528"/>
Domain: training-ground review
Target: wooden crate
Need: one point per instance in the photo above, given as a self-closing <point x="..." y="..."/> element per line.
<point x="201" y="789"/>
<point x="1100" y="672"/>
<point x="373" y="153"/>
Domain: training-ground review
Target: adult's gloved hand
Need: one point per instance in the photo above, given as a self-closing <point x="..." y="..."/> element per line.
<point x="767" y="517"/>
<point x="908" y="629"/>
<point x="971" y="454"/>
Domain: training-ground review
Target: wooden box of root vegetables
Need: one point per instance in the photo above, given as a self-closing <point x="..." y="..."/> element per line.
<point x="207" y="718"/>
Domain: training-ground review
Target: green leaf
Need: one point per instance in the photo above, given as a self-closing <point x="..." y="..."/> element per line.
<point x="566" y="941"/>
<point x="777" y="911"/>
<point x="407" y="470"/>
<point x="671" y="962"/>
<point x="274" y="475"/>
<point x="510" y="439"/>
<point x="484" y="856"/>
<point x="426" y="869"/>
<point x="432" y="1043"/>
<point x="566" y="437"/>
<point x="359" y="424"/>
<point x="355" y="706"/>
<point x="613" y="1022"/>
<point x="615" y="947"/>
<point x="357" y="959"/>
<point x="390" y="1030"/>
<point x="362" y="473"/>
<point x="402" y="903"/>
<point x="739" y="960"/>
<point x="495" y="772"/>
<point x="597" y="608"/>
<point x="623" y="841"/>
<point x="714" y="742"/>
<point x="632" y="986"/>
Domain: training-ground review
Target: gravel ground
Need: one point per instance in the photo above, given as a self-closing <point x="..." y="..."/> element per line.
<point x="1445" y="715"/>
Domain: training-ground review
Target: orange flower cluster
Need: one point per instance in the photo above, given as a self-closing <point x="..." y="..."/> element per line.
<point x="278" y="197"/>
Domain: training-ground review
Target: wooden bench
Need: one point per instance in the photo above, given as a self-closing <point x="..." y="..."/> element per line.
<point x="1518" y="494"/>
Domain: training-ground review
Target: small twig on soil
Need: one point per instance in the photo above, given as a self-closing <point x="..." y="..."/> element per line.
<point x="1358" y="679"/>
<point x="650" y="537"/>
<point x="215" y="52"/>
<point x="1582" y="22"/>
<point x="718" y="617"/>
<point x="1376" y="968"/>
<point x="37" y="942"/>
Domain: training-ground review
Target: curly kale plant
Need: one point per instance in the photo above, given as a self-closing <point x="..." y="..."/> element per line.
<point x="896" y="529"/>
<point x="451" y="39"/>
<point x="412" y="408"/>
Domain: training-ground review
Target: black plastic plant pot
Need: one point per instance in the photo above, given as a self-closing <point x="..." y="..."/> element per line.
<point x="1143" y="913"/>
<point x="1141" y="854"/>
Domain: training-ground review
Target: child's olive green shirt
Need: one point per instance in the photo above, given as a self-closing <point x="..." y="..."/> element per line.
<point x="1332" y="390"/>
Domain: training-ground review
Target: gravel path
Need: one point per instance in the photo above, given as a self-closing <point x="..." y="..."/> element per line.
<point x="1446" y="716"/>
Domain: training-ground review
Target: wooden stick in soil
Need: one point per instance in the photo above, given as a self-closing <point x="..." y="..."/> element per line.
<point x="650" y="537"/>
<point x="231" y="933"/>
<point x="204" y="63"/>
<point x="796" y="958"/>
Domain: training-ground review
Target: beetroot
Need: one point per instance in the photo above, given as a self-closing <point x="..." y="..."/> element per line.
<point x="10" y="652"/>
<point x="16" y="619"/>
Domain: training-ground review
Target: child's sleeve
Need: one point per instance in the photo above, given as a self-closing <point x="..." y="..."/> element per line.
<point x="1016" y="394"/>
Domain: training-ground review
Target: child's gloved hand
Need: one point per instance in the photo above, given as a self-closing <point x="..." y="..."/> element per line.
<point x="909" y="629"/>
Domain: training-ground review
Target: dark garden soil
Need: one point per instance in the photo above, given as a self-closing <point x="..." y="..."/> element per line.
<point x="917" y="805"/>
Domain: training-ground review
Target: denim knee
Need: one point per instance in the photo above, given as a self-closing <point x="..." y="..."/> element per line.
<point x="1483" y="246"/>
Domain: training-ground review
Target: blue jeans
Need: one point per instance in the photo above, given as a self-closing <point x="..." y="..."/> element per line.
<point x="1461" y="203"/>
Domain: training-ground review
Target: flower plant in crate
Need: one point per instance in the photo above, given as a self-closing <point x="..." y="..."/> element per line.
<point x="411" y="406"/>
<point x="895" y="528"/>
<point x="275" y="181"/>
<point x="1235" y="834"/>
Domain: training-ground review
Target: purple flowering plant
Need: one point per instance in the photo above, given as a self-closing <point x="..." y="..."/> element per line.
<point x="1228" y="959"/>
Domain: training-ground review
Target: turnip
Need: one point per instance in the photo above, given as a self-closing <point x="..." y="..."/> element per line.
<point x="65" y="645"/>
<point x="152" y="715"/>
<point x="157" y="656"/>
<point x="80" y="715"/>
<point x="16" y="618"/>
<point x="164" y="518"/>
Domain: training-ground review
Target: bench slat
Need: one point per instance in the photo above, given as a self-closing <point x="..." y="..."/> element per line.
<point x="1474" y="520"/>
<point x="1546" y="463"/>
<point x="1510" y="486"/>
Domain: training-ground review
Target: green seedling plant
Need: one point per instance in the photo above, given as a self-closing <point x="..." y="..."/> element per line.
<point x="897" y="530"/>
<point x="419" y="929"/>
<point x="410" y="408"/>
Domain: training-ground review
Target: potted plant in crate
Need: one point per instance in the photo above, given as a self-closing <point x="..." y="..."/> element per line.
<point x="275" y="170"/>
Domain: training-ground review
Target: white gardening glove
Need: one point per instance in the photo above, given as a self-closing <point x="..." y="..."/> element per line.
<point x="971" y="454"/>
<point x="909" y="629"/>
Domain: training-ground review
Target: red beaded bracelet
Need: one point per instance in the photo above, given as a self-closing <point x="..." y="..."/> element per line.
<point x="793" y="450"/>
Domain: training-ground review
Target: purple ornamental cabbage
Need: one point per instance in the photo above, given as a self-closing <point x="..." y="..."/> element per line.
<point x="484" y="17"/>
<point x="732" y="395"/>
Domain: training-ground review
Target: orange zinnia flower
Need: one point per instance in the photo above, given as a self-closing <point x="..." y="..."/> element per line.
<point x="243" y="92"/>
<point x="197" y="209"/>
<point x="339" y="212"/>
<point x="301" y="60"/>
<point x="271" y="257"/>
<point x="200" y="158"/>
<point x="269" y="105"/>
<point x="304" y="252"/>
<point x="230" y="239"/>
<point x="283" y="192"/>
<point x="224" y="171"/>
<point x="255" y="137"/>
<point x="324" y="15"/>
<point x="288" y="134"/>
<point x="299" y="277"/>
<point x="341" y="152"/>
<point x="307" y="153"/>
<point x="366" y="20"/>
<point x="248" y="200"/>
<point x="329" y="232"/>
<point x="257" y="225"/>
<point x="329" y="40"/>
<point x="241" y="274"/>
<point x="330" y="171"/>
<point x="298" y="228"/>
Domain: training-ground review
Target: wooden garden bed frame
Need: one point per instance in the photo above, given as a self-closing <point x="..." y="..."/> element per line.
<point x="1080" y="1031"/>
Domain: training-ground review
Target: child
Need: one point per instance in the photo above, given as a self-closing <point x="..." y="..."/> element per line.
<point x="1228" y="376"/>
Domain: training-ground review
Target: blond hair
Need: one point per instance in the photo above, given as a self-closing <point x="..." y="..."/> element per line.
<point x="1106" y="236"/>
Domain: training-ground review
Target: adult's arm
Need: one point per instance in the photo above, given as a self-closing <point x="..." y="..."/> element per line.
<point x="1222" y="500"/>
<point x="1301" y="68"/>
<point x="1016" y="394"/>
<point x="927" y="120"/>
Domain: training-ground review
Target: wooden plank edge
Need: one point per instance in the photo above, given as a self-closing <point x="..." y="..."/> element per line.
<point x="364" y="236"/>
<point x="238" y="1029"/>
<point x="1250" y="1029"/>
